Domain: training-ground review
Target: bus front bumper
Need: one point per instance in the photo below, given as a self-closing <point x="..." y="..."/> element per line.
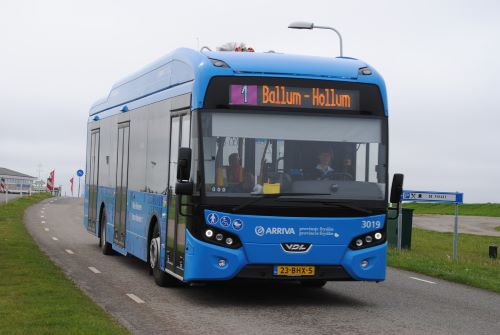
<point x="205" y="262"/>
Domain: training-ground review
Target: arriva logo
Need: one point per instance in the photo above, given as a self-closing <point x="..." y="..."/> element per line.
<point x="261" y="231"/>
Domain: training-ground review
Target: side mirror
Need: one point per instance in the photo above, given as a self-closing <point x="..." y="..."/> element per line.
<point x="395" y="198"/>
<point x="184" y="164"/>
<point x="397" y="188"/>
<point x="184" y="188"/>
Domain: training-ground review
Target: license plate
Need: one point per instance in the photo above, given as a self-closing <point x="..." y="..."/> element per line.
<point x="294" y="271"/>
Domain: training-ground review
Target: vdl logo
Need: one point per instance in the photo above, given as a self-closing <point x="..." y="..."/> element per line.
<point x="260" y="231"/>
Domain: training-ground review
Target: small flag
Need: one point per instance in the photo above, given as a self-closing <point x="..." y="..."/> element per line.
<point x="71" y="187"/>
<point x="3" y="187"/>
<point x="50" y="180"/>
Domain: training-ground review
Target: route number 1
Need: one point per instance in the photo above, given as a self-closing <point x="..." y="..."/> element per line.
<point x="244" y="92"/>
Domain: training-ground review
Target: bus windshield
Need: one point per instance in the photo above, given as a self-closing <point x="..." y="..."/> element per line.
<point x="327" y="156"/>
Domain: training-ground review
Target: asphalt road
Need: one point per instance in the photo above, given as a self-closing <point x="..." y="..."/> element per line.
<point x="476" y="225"/>
<point x="406" y="303"/>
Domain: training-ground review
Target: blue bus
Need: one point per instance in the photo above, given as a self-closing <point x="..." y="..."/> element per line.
<point x="210" y="166"/>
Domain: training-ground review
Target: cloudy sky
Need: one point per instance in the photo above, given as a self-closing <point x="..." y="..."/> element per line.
<point x="440" y="60"/>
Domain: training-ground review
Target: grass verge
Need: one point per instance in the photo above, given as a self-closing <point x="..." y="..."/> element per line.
<point x="449" y="209"/>
<point x="35" y="296"/>
<point x="497" y="228"/>
<point x="431" y="254"/>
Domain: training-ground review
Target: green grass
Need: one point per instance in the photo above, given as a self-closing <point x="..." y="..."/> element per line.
<point x="431" y="254"/>
<point x="35" y="296"/>
<point x="497" y="228"/>
<point x="488" y="209"/>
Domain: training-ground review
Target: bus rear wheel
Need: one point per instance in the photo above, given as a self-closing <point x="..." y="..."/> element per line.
<point x="314" y="283"/>
<point x="106" y="248"/>
<point x="161" y="278"/>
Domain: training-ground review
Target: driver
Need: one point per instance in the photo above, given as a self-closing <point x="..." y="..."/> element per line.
<point x="323" y="169"/>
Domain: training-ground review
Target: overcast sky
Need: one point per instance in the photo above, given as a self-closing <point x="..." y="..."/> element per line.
<point x="440" y="61"/>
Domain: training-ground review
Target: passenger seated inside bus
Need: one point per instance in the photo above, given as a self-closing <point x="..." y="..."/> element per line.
<point x="238" y="179"/>
<point x="234" y="176"/>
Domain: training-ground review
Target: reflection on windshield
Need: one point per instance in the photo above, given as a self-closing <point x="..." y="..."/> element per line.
<point x="267" y="154"/>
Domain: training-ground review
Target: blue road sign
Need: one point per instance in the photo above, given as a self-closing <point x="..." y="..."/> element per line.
<point x="79" y="173"/>
<point x="429" y="196"/>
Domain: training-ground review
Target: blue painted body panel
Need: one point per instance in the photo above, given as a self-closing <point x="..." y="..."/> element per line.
<point x="141" y="207"/>
<point x="262" y="236"/>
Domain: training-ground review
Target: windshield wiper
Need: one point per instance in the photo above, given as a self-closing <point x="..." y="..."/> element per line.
<point x="340" y="204"/>
<point x="333" y="203"/>
<point x="258" y="197"/>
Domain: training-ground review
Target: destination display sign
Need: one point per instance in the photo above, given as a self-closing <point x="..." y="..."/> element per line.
<point x="286" y="96"/>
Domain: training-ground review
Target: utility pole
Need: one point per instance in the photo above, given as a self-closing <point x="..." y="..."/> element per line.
<point x="39" y="171"/>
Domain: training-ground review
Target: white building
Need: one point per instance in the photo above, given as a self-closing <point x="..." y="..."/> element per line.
<point x="39" y="186"/>
<point x="17" y="182"/>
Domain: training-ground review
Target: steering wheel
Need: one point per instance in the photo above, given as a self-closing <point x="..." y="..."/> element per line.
<point x="341" y="176"/>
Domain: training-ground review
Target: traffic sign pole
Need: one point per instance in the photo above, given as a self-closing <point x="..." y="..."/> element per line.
<point x="455" y="233"/>
<point x="79" y="173"/>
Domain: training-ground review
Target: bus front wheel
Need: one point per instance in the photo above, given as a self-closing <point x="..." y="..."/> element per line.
<point x="161" y="278"/>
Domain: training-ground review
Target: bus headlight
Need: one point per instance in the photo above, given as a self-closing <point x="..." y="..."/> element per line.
<point x="368" y="240"/>
<point x="220" y="237"/>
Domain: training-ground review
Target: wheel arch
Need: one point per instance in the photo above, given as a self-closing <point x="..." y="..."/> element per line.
<point x="102" y="210"/>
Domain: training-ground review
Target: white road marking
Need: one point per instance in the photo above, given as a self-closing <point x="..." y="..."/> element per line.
<point x="42" y="216"/>
<point x="94" y="270"/>
<point x="43" y="221"/>
<point x="55" y="238"/>
<point x="46" y="229"/>
<point x="43" y="208"/>
<point x="425" y="281"/>
<point x="135" y="298"/>
<point x="69" y="251"/>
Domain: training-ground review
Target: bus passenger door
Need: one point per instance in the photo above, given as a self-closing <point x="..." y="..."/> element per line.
<point x="176" y="226"/>
<point x="121" y="184"/>
<point x="93" y="175"/>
